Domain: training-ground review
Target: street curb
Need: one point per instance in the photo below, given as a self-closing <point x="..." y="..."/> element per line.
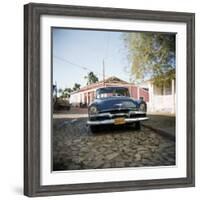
<point x="160" y="132"/>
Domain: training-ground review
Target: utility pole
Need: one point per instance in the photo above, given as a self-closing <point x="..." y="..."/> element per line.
<point x="103" y="73"/>
<point x="56" y="89"/>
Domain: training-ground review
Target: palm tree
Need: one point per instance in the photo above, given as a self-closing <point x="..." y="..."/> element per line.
<point x="76" y="87"/>
<point x="91" y="78"/>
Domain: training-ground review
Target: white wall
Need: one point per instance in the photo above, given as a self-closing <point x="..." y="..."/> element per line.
<point x="161" y="102"/>
<point x="11" y="101"/>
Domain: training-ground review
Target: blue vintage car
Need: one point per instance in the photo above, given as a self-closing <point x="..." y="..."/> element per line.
<point x="113" y="105"/>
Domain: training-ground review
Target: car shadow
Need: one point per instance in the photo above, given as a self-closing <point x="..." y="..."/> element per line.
<point x="114" y="129"/>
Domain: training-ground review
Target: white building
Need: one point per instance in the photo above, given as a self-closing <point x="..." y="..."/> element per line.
<point x="161" y="99"/>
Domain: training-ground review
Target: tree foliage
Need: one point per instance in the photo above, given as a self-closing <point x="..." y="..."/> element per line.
<point x="152" y="56"/>
<point x="65" y="93"/>
<point x="91" y="78"/>
<point x="76" y="87"/>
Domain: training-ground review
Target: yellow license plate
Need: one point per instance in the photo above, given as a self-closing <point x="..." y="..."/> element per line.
<point x="119" y="120"/>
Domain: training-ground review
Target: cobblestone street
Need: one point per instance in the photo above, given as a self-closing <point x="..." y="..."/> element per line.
<point x="75" y="147"/>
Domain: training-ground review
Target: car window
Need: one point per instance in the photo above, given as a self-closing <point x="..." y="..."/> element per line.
<point x="111" y="91"/>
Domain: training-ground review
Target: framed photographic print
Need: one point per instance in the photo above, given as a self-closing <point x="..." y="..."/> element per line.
<point x="109" y="99"/>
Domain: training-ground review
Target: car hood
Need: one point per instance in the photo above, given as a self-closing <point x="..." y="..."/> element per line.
<point x="115" y="103"/>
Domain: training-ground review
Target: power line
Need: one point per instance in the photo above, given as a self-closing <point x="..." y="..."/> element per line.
<point x="75" y="64"/>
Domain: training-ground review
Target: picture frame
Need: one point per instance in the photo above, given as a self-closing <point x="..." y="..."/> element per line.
<point x="32" y="98"/>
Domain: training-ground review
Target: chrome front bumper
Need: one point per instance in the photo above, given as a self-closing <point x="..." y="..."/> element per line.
<point x="127" y="118"/>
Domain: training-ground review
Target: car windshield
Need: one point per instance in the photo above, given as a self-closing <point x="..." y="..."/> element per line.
<point x="111" y="91"/>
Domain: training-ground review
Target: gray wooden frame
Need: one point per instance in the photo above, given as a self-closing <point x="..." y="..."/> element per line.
<point x="32" y="13"/>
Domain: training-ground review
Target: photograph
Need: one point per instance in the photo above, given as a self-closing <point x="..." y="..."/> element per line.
<point x="113" y="99"/>
<point x="109" y="99"/>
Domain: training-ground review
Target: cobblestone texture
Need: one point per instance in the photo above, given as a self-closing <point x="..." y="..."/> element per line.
<point x="75" y="147"/>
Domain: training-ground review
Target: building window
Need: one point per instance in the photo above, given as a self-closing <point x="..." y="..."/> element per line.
<point x="158" y="90"/>
<point x="163" y="90"/>
<point x="168" y="89"/>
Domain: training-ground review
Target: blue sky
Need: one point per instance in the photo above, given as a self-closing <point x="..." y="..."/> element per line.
<point x="77" y="52"/>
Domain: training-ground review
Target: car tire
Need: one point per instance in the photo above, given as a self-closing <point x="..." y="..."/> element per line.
<point x="137" y="126"/>
<point x="94" y="129"/>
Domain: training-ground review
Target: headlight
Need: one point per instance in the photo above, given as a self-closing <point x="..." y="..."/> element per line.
<point x="93" y="110"/>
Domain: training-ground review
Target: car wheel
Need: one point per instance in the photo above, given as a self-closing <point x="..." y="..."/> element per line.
<point x="94" y="128"/>
<point x="137" y="126"/>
